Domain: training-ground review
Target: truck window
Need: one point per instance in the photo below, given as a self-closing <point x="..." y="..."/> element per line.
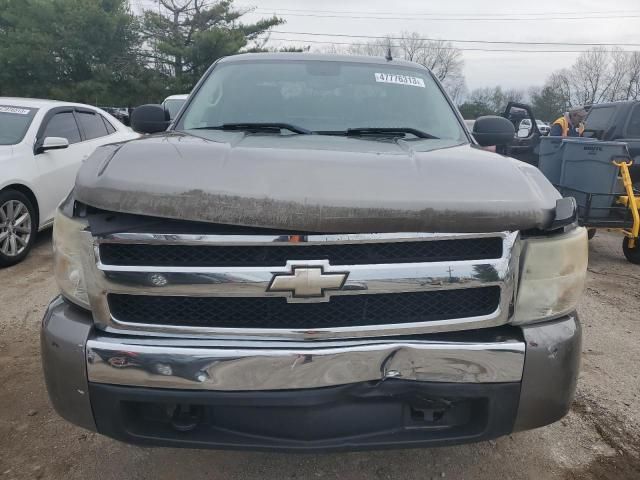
<point x="633" y="127"/>
<point x="323" y="96"/>
<point x="599" y="119"/>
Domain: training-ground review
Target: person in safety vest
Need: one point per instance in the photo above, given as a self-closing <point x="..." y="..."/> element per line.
<point x="570" y="124"/>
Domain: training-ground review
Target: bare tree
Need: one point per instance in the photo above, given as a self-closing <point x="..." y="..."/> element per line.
<point x="442" y="58"/>
<point x="616" y="76"/>
<point x="378" y="48"/>
<point x="588" y="77"/>
<point x="632" y="81"/>
<point x="457" y="89"/>
<point x="411" y="45"/>
<point x="598" y="75"/>
<point x="560" y="84"/>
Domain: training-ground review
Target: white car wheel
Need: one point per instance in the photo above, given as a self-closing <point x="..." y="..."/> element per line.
<point x="17" y="227"/>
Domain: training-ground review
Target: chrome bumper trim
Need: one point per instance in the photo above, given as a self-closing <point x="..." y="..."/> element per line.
<point x="245" y="366"/>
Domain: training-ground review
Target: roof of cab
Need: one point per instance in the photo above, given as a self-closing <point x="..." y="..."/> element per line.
<point x="293" y="56"/>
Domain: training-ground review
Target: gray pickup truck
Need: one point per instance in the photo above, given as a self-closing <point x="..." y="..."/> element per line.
<point x="315" y="254"/>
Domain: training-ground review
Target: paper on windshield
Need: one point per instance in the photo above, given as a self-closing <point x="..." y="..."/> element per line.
<point x="16" y="110"/>
<point x="399" y="79"/>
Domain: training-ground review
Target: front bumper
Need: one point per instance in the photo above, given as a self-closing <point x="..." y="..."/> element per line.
<point x="420" y="390"/>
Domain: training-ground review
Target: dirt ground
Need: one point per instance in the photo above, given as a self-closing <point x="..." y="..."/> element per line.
<point x="599" y="439"/>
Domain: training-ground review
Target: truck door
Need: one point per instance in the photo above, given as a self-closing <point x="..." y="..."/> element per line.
<point x="526" y="142"/>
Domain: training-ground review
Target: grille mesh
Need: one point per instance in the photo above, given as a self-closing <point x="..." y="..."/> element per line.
<point x="277" y="255"/>
<point x="276" y="313"/>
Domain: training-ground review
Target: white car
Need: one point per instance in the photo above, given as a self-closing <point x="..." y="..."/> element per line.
<point x="173" y="103"/>
<point x="542" y="127"/>
<point x="42" y="145"/>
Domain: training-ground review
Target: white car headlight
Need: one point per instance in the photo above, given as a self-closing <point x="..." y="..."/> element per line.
<point x="67" y="258"/>
<point x="552" y="276"/>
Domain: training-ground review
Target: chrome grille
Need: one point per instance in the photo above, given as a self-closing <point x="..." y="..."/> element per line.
<point x="341" y="311"/>
<point x="400" y="284"/>
<point x="278" y="255"/>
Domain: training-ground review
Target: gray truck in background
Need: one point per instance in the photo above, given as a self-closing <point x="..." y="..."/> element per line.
<point x="314" y="255"/>
<point x="619" y="122"/>
<point x="613" y="121"/>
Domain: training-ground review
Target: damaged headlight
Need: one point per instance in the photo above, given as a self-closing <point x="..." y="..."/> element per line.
<point x="67" y="258"/>
<point x="552" y="276"/>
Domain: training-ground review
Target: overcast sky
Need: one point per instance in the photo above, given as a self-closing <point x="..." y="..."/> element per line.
<point x="509" y="69"/>
<point x="518" y="70"/>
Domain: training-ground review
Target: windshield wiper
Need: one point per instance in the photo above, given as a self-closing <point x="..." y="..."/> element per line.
<point x="258" y="127"/>
<point x="355" y="132"/>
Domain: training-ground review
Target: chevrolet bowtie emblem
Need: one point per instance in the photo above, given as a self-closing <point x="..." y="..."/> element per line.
<point x="308" y="282"/>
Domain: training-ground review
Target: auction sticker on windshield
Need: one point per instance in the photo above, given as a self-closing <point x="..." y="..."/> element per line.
<point x="16" y="110"/>
<point x="399" y="79"/>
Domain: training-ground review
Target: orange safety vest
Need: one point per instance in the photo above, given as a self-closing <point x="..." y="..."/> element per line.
<point x="564" y="124"/>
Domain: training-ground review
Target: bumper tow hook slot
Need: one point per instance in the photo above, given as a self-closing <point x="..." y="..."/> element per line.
<point x="186" y="418"/>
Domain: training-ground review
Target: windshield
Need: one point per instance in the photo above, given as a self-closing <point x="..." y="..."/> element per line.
<point x="323" y="96"/>
<point x="173" y="107"/>
<point x="14" y="123"/>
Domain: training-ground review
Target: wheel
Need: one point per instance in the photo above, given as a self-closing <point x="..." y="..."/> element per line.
<point x="17" y="227"/>
<point x="632" y="254"/>
<point x="591" y="232"/>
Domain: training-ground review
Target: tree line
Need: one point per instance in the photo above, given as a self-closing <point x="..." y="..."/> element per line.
<point x="597" y="76"/>
<point x="102" y="52"/>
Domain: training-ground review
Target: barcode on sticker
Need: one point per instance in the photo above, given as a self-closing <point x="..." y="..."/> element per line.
<point x="16" y="110"/>
<point x="399" y="79"/>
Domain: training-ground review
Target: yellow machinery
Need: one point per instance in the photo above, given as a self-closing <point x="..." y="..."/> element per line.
<point x="631" y="244"/>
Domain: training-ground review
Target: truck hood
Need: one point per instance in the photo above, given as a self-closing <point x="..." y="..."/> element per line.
<point x="314" y="183"/>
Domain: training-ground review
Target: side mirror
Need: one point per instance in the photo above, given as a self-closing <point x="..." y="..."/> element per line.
<point x="149" y="119"/>
<point x="493" y="130"/>
<point x="53" y="143"/>
<point x="523" y="132"/>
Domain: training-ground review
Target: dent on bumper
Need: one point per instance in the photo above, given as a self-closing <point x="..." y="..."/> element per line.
<point x="73" y="355"/>
<point x="247" y="366"/>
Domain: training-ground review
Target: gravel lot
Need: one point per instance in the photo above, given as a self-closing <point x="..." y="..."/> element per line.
<point x="599" y="439"/>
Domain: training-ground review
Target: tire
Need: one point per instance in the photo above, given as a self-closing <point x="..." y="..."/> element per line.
<point x="632" y="254"/>
<point x="591" y="232"/>
<point x="18" y="227"/>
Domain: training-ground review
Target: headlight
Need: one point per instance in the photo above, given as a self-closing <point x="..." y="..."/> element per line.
<point x="552" y="276"/>
<point x="67" y="258"/>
